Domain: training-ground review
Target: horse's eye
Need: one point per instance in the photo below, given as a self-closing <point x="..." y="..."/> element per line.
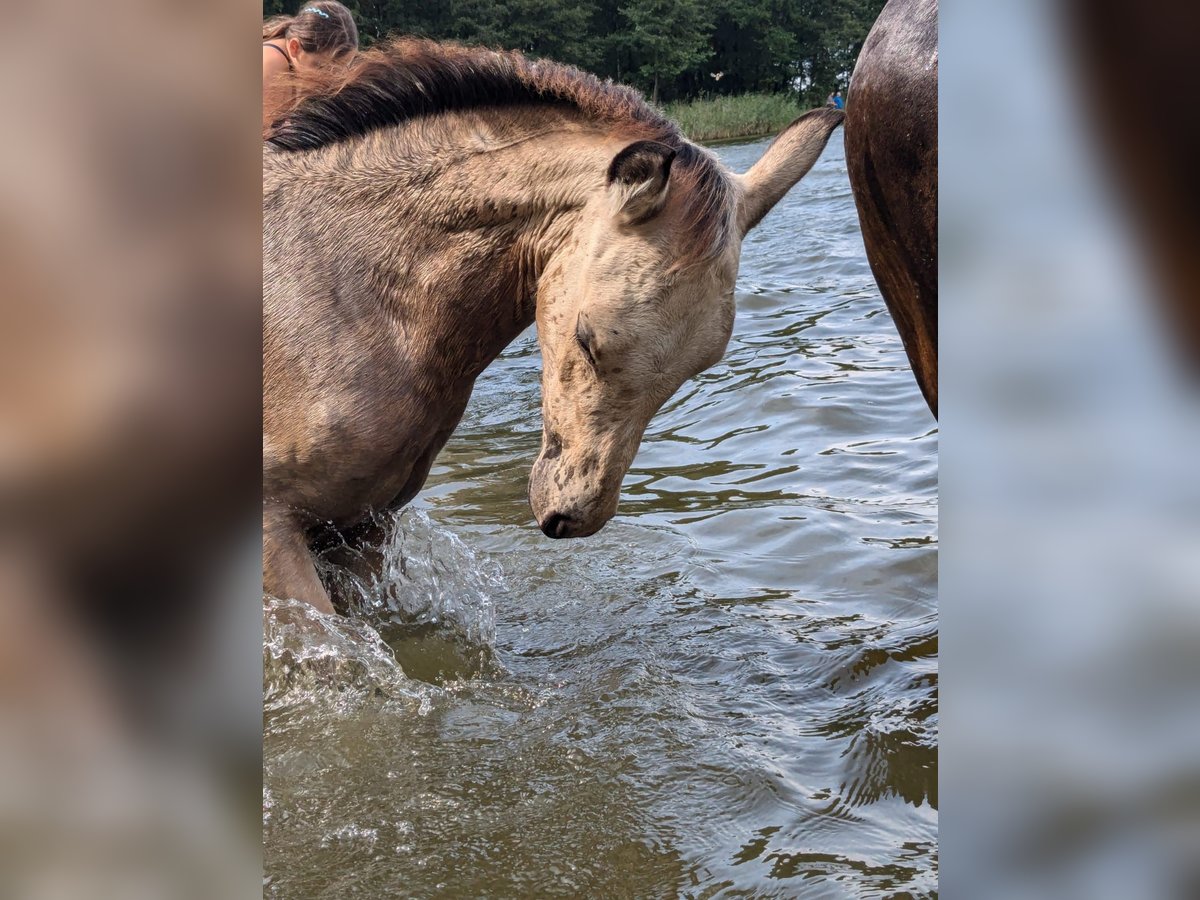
<point x="583" y="337"/>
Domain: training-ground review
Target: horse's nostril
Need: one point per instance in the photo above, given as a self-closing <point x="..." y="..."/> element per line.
<point x="556" y="525"/>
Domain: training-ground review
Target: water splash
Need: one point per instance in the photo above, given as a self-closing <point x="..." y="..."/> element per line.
<point x="418" y="608"/>
<point x="310" y="657"/>
<point x="421" y="575"/>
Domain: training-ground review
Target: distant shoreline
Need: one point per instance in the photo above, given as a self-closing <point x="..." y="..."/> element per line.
<point x="739" y="139"/>
<point x="719" y="120"/>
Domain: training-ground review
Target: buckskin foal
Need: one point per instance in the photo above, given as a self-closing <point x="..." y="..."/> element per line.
<point x="426" y="205"/>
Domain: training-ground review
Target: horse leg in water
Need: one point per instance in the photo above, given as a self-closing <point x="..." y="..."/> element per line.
<point x="358" y="552"/>
<point x="289" y="571"/>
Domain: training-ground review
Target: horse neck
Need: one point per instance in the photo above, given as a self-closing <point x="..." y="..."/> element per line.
<point x="462" y="216"/>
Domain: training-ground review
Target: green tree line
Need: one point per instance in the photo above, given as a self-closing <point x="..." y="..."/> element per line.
<point x="671" y="49"/>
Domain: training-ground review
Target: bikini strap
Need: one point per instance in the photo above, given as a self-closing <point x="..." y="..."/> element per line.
<point x="281" y="50"/>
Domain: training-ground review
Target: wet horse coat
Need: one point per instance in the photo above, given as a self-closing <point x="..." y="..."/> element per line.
<point x="891" y="157"/>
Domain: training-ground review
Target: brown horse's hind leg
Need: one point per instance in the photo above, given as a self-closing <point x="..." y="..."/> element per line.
<point x="288" y="568"/>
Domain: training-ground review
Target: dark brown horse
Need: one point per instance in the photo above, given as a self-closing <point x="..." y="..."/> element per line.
<point x="892" y="158"/>
<point x="1153" y="168"/>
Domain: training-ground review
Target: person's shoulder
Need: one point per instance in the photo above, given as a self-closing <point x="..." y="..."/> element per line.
<point x="274" y="59"/>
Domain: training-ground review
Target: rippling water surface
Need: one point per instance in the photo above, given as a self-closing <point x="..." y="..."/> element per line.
<point x="729" y="691"/>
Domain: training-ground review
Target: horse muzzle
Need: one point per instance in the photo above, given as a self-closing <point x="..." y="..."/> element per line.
<point x="560" y="508"/>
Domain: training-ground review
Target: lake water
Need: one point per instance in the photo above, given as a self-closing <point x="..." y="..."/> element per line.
<point x="729" y="691"/>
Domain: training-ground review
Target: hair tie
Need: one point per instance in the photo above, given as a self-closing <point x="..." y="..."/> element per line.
<point x="313" y="9"/>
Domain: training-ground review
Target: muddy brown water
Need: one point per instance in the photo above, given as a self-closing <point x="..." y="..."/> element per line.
<point x="730" y="691"/>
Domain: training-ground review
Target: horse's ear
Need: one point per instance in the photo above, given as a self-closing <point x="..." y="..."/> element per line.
<point x="786" y="161"/>
<point x="638" y="178"/>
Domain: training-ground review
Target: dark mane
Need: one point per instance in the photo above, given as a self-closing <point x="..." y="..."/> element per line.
<point x="407" y="78"/>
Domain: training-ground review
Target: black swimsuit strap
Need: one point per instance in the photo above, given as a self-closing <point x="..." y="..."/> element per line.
<point x="281" y="50"/>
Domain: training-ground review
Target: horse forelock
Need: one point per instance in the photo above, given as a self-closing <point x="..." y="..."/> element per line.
<point x="408" y="78"/>
<point x="710" y="208"/>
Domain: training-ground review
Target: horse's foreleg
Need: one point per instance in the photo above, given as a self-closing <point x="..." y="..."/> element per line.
<point x="288" y="567"/>
<point x="359" y="553"/>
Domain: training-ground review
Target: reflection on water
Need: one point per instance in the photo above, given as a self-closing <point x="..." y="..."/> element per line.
<point x="731" y="689"/>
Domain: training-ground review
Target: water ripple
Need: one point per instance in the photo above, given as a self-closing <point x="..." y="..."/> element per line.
<point x="729" y="691"/>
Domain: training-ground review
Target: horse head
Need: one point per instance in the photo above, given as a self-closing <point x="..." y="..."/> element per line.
<point x="637" y="301"/>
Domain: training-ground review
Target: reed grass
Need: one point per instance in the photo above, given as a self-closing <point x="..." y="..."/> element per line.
<point x="725" y="118"/>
